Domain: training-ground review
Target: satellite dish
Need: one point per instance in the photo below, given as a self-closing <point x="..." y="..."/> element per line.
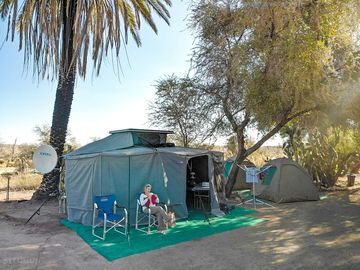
<point x="45" y="158"/>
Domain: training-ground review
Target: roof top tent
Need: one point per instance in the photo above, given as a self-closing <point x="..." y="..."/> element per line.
<point x="147" y="137"/>
<point x="125" y="161"/>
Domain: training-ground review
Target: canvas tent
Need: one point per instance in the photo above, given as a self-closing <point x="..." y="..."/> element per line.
<point x="286" y="181"/>
<point x="125" y="161"/>
<point x="240" y="182"/>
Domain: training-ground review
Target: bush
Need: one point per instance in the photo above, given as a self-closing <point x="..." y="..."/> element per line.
<point x="327" y="154"/>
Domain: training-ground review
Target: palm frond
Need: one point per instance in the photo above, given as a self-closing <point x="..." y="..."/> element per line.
<point x="58" y="33"/>
<point x="5" y="7"/>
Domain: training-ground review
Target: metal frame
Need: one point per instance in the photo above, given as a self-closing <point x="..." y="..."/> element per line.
<point x="105" y="221"/>
<point x="255" y="201"/>
<point x="142" y="216"/>
<point x="62" y="204"/>
<point x="201" y="193"/>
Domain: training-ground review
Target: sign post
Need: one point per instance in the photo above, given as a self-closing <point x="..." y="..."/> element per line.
<point x="252" y="176"/>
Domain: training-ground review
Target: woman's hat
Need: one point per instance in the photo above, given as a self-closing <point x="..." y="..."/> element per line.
<point x="147" y="185"/>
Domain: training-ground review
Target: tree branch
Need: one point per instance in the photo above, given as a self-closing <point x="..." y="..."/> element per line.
<point x="275" y="129"/>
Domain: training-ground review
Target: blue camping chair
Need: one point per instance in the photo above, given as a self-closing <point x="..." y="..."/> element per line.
<point x="147" y="221"/>
<point x="104" y="213"/>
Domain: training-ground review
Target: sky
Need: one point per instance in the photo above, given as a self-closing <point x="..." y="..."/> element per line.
<point x="101" y="104"/>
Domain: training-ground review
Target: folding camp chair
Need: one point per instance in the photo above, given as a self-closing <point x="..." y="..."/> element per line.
<point x="104" y="213"/>
<point x="147" y="221"/>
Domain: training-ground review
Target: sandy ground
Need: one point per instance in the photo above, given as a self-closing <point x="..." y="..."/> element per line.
<point x="16" y="195"/>
<point x="307" y="235"/>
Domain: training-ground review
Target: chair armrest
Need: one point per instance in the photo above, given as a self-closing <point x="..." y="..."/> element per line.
<point x="99" y="209"/>
<point x="165" y="206"/>
<point x="96" y="208"/>
<point x="96" y="212"/>
<point x="122" y="207"/>
<point x="162" y="203"/>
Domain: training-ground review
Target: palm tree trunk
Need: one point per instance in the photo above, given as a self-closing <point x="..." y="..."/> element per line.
<point x="63" y="101"/>
<point x="61" y="114"/>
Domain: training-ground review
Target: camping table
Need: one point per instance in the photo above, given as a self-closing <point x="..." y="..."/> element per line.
<point x="200" y="193"/>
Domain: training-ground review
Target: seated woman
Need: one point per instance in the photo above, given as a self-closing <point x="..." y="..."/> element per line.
<point x="148" y="201"/>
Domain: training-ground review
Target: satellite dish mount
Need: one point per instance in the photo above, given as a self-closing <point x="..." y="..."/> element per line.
<point x="44" y="160"/>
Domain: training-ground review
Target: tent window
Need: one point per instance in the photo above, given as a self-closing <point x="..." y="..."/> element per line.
<point x="268" y="175"/>
<point x="149" y="139"/>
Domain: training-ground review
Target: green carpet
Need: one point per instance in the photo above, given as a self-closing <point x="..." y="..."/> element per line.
<point x="117" y="246"/>
<point x="323" y="197"/>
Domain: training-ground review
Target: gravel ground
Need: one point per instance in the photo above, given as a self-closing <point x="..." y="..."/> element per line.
<point x="307" y="235"/>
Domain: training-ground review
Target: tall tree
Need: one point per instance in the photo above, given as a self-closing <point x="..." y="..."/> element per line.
<point x="43" y="134"/>
<point x="179" y="107"/>
<point x="268" y="62"/>
<point x="58" y="36"/>
<point x="327" y="144"/>
<point x="327" y="152"/>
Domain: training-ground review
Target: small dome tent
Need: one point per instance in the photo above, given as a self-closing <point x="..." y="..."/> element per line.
<point x="286" y="181"/>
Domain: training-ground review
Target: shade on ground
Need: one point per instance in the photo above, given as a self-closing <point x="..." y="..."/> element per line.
<point x="117" y="246"/>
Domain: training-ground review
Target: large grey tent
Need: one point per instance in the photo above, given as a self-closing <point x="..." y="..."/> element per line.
<point x="286" y="181"/>
<point x="126" y="160"/>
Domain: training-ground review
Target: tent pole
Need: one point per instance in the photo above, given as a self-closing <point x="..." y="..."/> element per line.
<point x="129" y="206"/>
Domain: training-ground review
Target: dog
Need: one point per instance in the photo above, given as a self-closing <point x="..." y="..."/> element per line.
<point x="172" y="222"/>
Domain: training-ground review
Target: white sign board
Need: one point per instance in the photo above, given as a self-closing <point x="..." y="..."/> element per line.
<point x="252" y="175"/>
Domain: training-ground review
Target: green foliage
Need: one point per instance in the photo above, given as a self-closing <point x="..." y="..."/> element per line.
<point x="266" y="63"/>
<point x="23" y="160"/>
<point x="231" y="146"/>
<point x="293" y="145"/>
<point x="91" y="29"/>
<point x="20" y="156"/>
<point x="327" y="153"/>
<point x="59" y="36"/>
<point x="43" y="134"/>
<point x="17" y="156"/>
<point x="179" y="107"/>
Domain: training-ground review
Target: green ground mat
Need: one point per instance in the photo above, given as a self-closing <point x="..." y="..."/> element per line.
<point x="117" y="246"/>
<point x="245" y="194"/>
<point x="323" y="197"/>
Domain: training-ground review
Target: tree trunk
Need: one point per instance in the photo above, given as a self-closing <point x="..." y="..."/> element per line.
<point x="63" y="101"/>
<point x="64" y="97"/>
<point x="240" y="157"/>
<point x="244" y="153"/>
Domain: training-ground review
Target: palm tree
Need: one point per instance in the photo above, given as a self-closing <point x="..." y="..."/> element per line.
<point x="57" y="36"/>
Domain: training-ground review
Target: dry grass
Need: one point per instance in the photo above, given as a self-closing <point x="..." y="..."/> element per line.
<point x="21" y="182"/>
<point x="259" y="157"/>
<point x="265" y="154"/>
